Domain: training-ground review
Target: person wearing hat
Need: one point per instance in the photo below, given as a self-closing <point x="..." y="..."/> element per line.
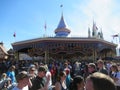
<point x="39" y="83"/>
<point x="23" y="81"/>
<point x="32" y="72"/>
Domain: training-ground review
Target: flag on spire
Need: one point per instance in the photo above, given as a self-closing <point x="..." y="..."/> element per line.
<point x="96" y="28"/>
<point x="14" y="35"/>
<point x="116" y="35"/>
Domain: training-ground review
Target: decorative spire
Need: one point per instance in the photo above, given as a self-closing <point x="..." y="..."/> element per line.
<point x="61" y="23"/>
<point x="61" y="30"/>
<point x="89" y="32"/>
<point x="102" y="34"/>
<point x="94" y="28"/>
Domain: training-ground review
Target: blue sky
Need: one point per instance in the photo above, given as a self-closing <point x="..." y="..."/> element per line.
<point x="27" y="18"/>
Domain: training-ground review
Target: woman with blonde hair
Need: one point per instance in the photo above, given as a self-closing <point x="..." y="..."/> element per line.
<point x="3" y="76"/>
<point x="115" y="74"/>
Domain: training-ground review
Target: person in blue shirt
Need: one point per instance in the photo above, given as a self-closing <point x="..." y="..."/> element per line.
<point x="11" y="74"/>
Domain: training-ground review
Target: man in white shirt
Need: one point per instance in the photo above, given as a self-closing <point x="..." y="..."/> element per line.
<point x="23" y="81"/>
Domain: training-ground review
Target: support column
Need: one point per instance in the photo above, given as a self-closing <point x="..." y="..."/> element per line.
<point x="46" y="56"/>
<point x="94" y="54"/>
<point x="16" y="56"/>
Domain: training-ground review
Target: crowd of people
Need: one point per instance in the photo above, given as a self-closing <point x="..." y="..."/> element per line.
<point x="61" y="76"/>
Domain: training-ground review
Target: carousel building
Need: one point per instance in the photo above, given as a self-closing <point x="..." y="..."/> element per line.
<point x="61" y="47"/>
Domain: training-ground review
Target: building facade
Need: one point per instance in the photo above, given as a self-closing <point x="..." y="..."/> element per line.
<point x="63" y="47"/>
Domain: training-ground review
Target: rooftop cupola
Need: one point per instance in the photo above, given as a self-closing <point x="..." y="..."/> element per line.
<point x="62" y="30"/>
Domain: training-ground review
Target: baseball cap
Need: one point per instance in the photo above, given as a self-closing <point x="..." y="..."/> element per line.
<point x="42" y="68"/>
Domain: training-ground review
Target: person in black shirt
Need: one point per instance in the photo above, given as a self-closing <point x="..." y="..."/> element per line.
<point x="101" y="67"/>
<point x="39" y="83"/>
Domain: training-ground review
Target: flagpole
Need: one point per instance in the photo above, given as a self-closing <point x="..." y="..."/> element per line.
<point x="119" y="45"/>
<point x="61" y="6"/>
<point x="118" y="38"/>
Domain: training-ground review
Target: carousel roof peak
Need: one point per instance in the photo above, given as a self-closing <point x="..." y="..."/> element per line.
<point x="62" y="30"/>
<point x="62" y="22"/>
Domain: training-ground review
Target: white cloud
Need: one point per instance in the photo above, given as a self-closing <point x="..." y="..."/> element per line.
<point x="104" y="14"/>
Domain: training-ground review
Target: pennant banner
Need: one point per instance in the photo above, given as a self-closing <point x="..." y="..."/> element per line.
<point x="116" y="35"/>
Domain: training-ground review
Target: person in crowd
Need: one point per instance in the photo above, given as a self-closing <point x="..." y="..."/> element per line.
<point x="115" y="74"/>
<point x="11" y="74"/>
<point x="66" y="67"/>
<point x="3" y="77"/>
<point x="68" y="77"/>
<point x="32" y="72"/>
<point x="77" y="83"/>
<point x="85" y="71"/>
<point x="101" y="67"/>
<point x="53" y="71"/>
<point x="92" y="68"/>
<point x="48" y="74"/>
<point x="76" y="68"/>
<point x="61" y="81"/>
<point x="5" y="84"/>
<point x="99" y="81"/>
<point x="108" y="66"/>
<point x="40" y="83"/>
<point x="67" y="71"/>
<point x="36" y="67"/>
<point x="23" y="81"/>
